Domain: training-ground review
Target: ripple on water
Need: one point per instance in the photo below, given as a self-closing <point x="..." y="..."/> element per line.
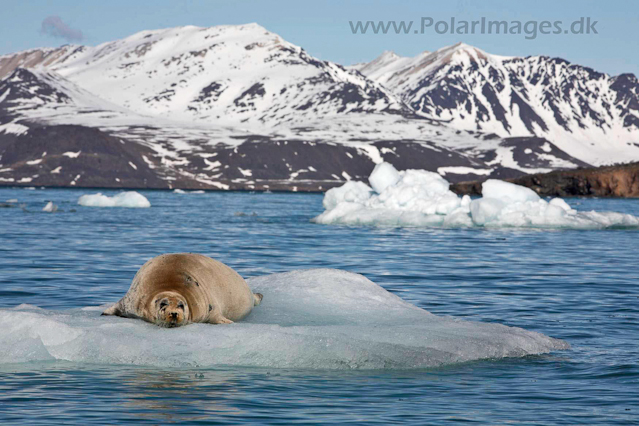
<point x="579" y="286"/>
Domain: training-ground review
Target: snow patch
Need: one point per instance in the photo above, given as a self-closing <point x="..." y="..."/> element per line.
<point x="14" y="128"/>
<point x="72" y="154"/>
<point x="245" y="172"/>
<point x="459" y="170"/>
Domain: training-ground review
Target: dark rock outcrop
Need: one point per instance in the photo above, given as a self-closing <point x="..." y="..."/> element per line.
<point x="608" y="181"/>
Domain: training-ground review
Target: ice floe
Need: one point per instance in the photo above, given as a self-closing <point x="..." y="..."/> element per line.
<point x="181" y="191"/>
<point x="50" y="207"/>
<point x="316" y="319"/>
<point x="423" y="198"/>
<point x="124" y="199"/>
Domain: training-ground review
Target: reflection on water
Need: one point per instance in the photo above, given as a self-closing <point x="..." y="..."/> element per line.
<point x="580" y="286"/>
<point x="169" y="395"/>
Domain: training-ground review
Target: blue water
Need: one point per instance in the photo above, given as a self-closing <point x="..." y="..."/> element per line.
<point x="580" y="286"/>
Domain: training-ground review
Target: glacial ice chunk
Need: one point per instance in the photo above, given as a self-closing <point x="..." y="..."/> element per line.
<point x="181" y="191"/>
<point x="415" y="197"/>
<point x="315" y="319"/>
<point x="422" y="198"/>
<point x="350" y="192"/>
<point x="130" y="199"/>
<point x="50" y="207"/>
<point x="383" y="176"/>
<point x="507" y="192"/>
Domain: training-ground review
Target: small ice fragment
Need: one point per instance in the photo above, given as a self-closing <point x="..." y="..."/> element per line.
<point x="560" y="203"/>
<point x="50" y="207"/>
<point x="180" y="191"/>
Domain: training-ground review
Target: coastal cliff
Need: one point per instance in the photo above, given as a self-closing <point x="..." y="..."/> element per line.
<point x="607" y="181"/>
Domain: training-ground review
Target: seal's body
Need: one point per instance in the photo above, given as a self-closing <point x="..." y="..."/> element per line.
<point x="172" y="290"/>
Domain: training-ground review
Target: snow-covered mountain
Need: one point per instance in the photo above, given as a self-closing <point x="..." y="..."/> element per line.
<point x="237" y="107"/>
<point x="589" y="115"/>
<point x="221" y="74"/>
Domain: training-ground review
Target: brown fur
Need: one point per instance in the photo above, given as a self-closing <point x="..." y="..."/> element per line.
<point x="177" y="289"/>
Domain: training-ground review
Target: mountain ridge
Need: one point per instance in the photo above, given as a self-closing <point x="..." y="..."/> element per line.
<point x="200" y="101"/>
<point x="571" y="105"/>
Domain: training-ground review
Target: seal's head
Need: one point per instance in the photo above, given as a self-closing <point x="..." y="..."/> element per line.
<point x="171" y="309"/>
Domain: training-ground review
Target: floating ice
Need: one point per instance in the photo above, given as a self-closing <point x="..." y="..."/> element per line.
<point x="423" y="198"/>
<point x="350" y="192"/>
<point x="383" y="176"/>
<point x="181" y="191"/>
<point x="321" y="319"/>
<point x="124" y="199"/>
<point x="50" y="207"/>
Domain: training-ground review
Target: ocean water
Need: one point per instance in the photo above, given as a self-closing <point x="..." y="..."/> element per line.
<point x="579" y="286"/>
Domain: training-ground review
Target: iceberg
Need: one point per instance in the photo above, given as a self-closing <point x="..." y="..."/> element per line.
<point x="129" y="199"/>
<point x="312" y="319"/>
<point x="423" y="199"/>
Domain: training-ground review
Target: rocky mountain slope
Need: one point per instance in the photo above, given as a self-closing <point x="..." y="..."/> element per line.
<point x="589" y="115"/>
<point x="237" y="107"/>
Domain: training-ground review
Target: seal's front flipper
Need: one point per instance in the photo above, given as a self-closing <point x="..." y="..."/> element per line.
<point x="258" y="298"/>
<point x="216" y="317"/>
<point x="221" y="320"/>
<point x="113" y="310"/>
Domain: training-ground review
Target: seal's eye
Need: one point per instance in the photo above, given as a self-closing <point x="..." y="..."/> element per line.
<point x="163" y="304"/>
<point x="181" y="305"/>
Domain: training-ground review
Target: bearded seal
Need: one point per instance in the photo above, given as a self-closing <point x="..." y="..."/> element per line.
<point x="173" y="290"/>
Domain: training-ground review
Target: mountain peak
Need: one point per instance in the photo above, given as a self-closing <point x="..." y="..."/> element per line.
<point x="388" y="54"/>
<point x="462" y="45"/>
<point x="461" y="48"/>
<point x="234" y="73"/>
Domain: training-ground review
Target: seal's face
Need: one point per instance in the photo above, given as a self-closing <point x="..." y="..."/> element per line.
<point x="171" y="310"/>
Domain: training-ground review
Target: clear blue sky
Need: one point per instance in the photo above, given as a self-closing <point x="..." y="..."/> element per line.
<point x="322" y="27"/>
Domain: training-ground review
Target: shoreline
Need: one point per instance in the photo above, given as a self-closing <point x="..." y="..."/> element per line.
<point x="617" y="181"/>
